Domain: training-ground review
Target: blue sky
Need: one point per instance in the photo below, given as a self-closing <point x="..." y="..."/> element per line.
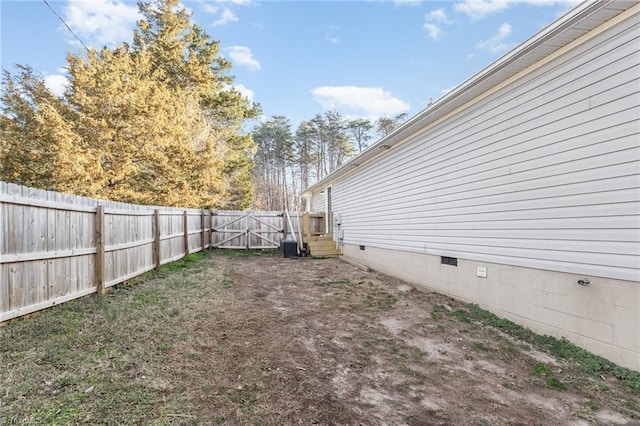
<point x="299" y="58"/>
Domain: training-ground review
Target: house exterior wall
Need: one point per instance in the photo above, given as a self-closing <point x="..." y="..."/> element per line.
<point x="317" y="201"/>
<point x="542" y="174"/>
<point x="539" y="180"/>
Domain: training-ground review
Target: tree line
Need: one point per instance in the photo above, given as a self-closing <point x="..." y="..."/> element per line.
<point x="288" y="161"/>
<point x="154" y="122"/>
<point x="158" y="122"/>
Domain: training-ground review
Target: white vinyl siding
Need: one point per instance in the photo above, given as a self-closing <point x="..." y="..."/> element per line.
<point x="543" y="173"/>
<point x="317" y="201"/>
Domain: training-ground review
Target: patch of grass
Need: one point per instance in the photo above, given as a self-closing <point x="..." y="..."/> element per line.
<point x="57" y="414"/>
<point x="243" y="398"/>
<point x="509" y="349"/>
<point x="146" y="297"/>
<point x="593" y="406"/>
<point x="391" y="348"/>
<point x="541" y="369"/>
<point x="227" y="282"/>
<point x="461" y="314"/>
<point x="632" y="404"/>
<point x="378" y="300"/>
<point x="554" y="382"/>
<point x="585" y="361"/>
<point x="411" y="384"/>
<point x="416" y="377"/>
<point x="196" y="257"/>
<point x="183" y="263"/>
<point x="94" y="358"/>
<point x="164" y="345"/>
<point x="437" y="310"/>
<point x="480" y="346"/>
<point x="248" y="253"/>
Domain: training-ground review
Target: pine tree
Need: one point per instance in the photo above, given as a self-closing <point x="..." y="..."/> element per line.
<point x="146" y="137"/>
<point x="274" y="156"/>
<point x="304" y="148"/>
<point x="152" y="123"/>
<point x="189" y="60"/>
<point x="38" y="146"/>
<point x="386" y="125"/>
<point x="360" y="129"/>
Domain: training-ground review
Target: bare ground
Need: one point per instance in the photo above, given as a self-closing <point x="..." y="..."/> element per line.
<point x="321" y="342"/>
<point x="266" y="340"/>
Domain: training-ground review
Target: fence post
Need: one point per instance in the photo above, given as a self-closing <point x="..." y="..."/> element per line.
<point x="99" y="224"/>
<point x="156" y="238"/>
<point x="247" y="233"/>
<point x="202" y="237"/>
<point x="285" y="230"/>
<point x="185" y="222"/>
<point x="212" y="213"/>
<point x="306" y="231"/>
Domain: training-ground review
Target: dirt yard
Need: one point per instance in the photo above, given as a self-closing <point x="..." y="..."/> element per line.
<point x="262" y="340"/>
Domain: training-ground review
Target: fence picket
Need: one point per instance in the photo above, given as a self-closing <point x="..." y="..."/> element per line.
<point x="100" y="249"/>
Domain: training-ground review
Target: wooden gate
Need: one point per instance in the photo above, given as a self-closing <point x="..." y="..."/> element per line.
<point x="247" y="229"/>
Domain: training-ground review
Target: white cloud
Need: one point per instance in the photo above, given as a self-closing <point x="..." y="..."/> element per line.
<point x="241" y="56"/>
<point x="210" y="8"/>
<point x="331" y="36"/>
<point x="226" y="17"/>
<point x="57" y="83"/>
<point x="438" y="15"/>
<point x="372" y="101"/>
<point x="238" y="2"/>
<point x="102" y="22"/>
<point x="478" y="9"/>
<point x="244" y="91"/>
<point x="434" y="31"/>
<point x="408" y="2"/>
<point x="433" y="21"/>
<point x="497" y="43"/>
<point x="552" y="2"/>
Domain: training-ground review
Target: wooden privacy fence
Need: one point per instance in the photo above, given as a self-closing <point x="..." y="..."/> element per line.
<point x="233" y="229"/>
<point x="56" y="247"/>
